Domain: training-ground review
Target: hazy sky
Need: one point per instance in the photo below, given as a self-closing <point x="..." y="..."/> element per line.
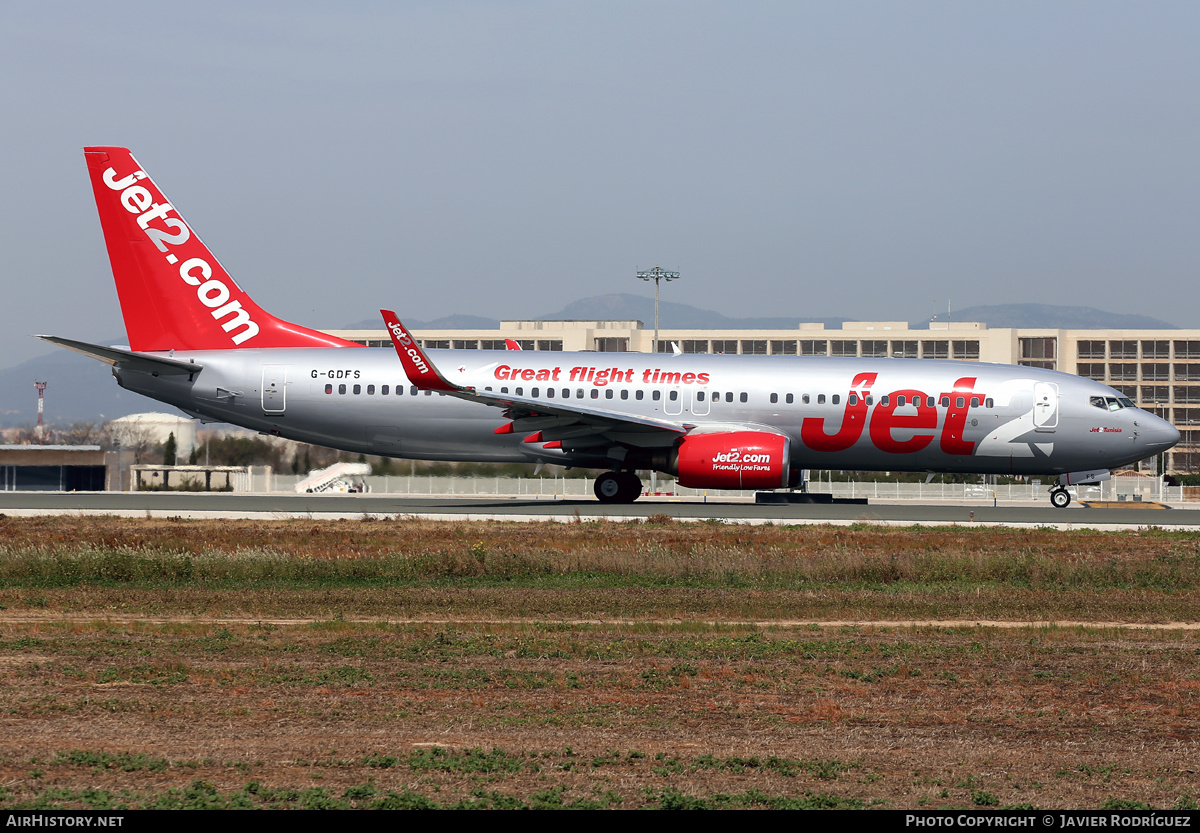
<point x="862" y="159"/>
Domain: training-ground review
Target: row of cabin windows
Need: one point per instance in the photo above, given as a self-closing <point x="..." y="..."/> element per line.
<point x="673" y="395"/>
<point x="638" y="395"/>
<point x="885" y="401"/>
<point x="384" y="390"/>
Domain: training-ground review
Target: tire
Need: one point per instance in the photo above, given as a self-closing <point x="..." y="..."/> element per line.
<point x="608" y="488"/>
<point x="631" y="487"/>
<point x="1061" y="498"/>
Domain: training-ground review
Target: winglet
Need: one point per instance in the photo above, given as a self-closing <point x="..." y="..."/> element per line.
<point x="420" y="370"/>
<point x="511" y="344"/>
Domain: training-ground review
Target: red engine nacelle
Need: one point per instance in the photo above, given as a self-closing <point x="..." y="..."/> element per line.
<point x="734" y="460"/>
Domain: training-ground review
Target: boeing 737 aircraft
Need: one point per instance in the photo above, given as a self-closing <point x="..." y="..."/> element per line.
<point x="198" y="342"/>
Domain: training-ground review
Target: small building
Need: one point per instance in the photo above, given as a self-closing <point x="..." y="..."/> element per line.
<point x="58" y="468"/>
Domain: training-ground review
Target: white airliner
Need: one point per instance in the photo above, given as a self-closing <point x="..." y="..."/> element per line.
<point x="198" y="342"/>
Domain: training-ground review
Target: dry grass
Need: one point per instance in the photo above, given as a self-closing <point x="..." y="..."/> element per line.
<point x="114" y="694"/>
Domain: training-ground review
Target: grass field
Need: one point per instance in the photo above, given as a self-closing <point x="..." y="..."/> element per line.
<point x="405" y="663"/>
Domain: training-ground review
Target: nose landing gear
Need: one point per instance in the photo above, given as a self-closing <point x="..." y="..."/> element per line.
<point x="1060" y="497"/>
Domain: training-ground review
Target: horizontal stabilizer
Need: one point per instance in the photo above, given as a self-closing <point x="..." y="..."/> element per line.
<point x="145" y="363"/>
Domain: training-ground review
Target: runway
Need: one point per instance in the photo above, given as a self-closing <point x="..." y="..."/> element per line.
<point x="282" y="505"/>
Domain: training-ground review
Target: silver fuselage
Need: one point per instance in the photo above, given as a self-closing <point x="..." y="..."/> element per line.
<point x="1022" y="420"/>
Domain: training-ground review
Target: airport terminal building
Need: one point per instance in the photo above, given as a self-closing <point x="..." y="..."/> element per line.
<point x="1158" y="369"/>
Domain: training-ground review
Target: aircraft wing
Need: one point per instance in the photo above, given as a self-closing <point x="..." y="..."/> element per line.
<point x="557" y="425"/>
<point x="144" y="362"/>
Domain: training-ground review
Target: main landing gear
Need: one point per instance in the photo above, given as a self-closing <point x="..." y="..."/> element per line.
<point x="618" y="487"/>
<point x="1060" y="497"/>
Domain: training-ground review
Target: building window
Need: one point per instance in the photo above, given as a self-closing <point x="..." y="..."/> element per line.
<point x="814" y="348"/>
<point x="729" y="346"/>
<point x="1123" y="372"/>
<point x="695" y="346"/>
<point x="466" y="344"/>
<point x="783" y="348"/>
<point x="1091" y="350"/>
<point x="754" y="348"/>
<point x="612" y="345"/>
<point x="1122" y="350"/>
<point x="966" y="350"/>
<point x="843" y="348"/>
<point x="1156" y="372"/>
<point x="1090" y="371"/>
<point x="875" y="349"/>
<point x="1189" y="394"/>
<point x="904" y="349"/>
<point x="1159" y="394"/>
<point x="435" y="344"/>
<point x="493" y="344"/>
<point x="1156" y="349"/>
<point x="1043" y="348"/>
<point x="553" y="344"/>
<point x="935" y="349"/>
<point x="1187" y="349"/>
<point x="1187" y="372"/>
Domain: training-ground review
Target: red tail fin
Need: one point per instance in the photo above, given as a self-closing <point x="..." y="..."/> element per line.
<point x="174" y="294"/>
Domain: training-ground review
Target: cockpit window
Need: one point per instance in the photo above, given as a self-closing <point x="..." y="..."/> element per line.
<point x="1111" y="403"/>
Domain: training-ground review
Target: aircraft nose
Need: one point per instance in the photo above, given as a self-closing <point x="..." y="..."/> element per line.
<point x="1160" y="434"/>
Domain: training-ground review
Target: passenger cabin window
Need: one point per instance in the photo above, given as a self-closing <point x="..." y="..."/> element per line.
<point x="341" y="389"/>
<point x="743" y="397"/>
<point x="656" y="395"/>
<point x="329" y="388"/>
<point x="774" y="398"/>
<point x="820" y="399"/>
<point x="625" y="394"/>
<point x="788" y="399"/>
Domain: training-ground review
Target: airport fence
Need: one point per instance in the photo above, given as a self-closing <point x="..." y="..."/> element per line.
<point x="555" y="488"/>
